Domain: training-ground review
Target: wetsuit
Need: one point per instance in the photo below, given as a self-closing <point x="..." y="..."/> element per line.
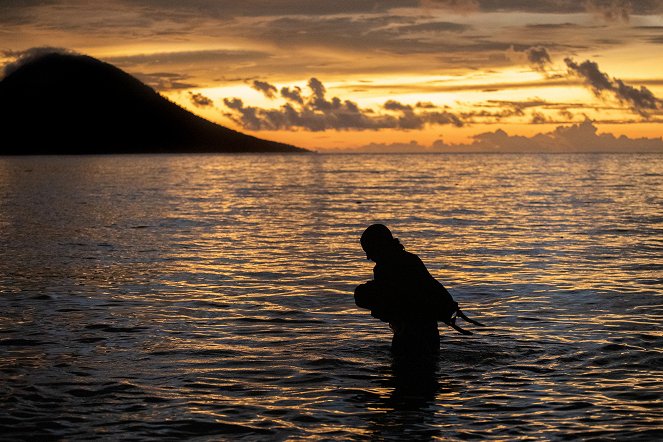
<point x="404" y="294"/>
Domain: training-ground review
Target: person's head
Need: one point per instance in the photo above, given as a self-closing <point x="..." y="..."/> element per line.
<point x="378" y="242"/>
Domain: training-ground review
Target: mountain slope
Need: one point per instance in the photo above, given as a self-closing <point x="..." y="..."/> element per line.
<point x="75" y="104"/>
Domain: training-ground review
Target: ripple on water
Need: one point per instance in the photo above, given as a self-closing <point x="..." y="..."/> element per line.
<point x="210" y="297"/>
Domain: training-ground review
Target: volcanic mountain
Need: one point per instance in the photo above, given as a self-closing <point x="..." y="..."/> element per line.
<point x="75" y="104"/>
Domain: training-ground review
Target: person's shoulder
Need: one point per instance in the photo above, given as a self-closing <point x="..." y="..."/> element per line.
<point x="411" y="257"/>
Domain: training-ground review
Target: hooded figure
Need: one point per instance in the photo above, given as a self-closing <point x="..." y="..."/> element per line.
<point x="404" y="294"/>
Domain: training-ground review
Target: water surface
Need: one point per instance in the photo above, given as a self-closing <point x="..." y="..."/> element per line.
<point x="177" y="296"/>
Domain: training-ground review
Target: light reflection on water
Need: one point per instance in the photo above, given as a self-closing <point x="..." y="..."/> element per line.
<point x="178" y="296"/>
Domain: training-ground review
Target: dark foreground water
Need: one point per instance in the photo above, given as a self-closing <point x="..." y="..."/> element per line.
<point x="160" y="297"/>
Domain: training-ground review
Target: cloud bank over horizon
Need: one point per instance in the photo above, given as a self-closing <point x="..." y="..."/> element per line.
<point x="576" y="138"/>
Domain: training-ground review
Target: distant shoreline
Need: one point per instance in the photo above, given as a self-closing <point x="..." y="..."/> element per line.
<point x="317" y="152"/>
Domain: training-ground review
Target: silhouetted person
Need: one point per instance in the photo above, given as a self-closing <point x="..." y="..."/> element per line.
<point x="404" y="294"/>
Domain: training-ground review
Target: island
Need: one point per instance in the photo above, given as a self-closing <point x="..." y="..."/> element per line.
<point x="75" y="104"/>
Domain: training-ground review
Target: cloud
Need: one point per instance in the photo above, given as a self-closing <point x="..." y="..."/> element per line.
<point x="269" y="90"/>
<point x="22" y="57"/>
<point x="346" y="36"/>
<point x="607" y="9"/>
<point x="230" y="9"/>
<point x="494" y="111"/>
<point x="538" y="57"/>
<point x="316" y="112"/>
<point x="582" y="137"/>
<point x="164" y="81"/>
<point x="409" y="118"/>
<point x="611" y="10"/>
<point x="458" y="6"/>
<point x="540" y="118"/>
<point x="395" y="105"/>
<point x="576" y="138"/>
<point x="262" y="8"/>
<point x="400" y="35"/>
<point x="187" y="57"/>
<point x="294" y="94"/>
<point x="411" y="147"/>
<point x="199" y="100"/>
<point x="641" y="101"/>
<point x="431" y="27"/>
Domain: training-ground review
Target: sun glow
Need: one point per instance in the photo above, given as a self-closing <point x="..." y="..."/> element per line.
<point x="475" y="64"/>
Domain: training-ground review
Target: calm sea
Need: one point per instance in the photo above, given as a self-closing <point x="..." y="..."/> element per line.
<point x="160" y="297"/>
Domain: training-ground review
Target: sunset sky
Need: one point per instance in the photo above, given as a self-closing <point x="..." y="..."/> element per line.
<point x="352" y="73"/>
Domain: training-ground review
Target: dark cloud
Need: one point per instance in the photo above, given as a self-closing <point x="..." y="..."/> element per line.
<point x="385" y="36"/>
<point x="317" y="99"/>
<point x="373" y="34"/>
<point x="165" y="81"/>
<point x="22" y="57"/>
<point x="411" y="119"/>
<point x="608" y="9"/>
<point x="294" y="94"/>
<point x="199" y="100"/>
<point x="535" y="56"/>
<point x="566" y="114"/>
<point x="233" y="103"/>
<point x="227" y="57"/>
<point x="552" y="26"/>
<point x="230" y="9"/>
<point x="268" y="90"/>
<point x="395" y="105"/>
<point x="491" y="116"/>
<point x="18" y="12"/>
<point x="262" y="8"/>
<point x="437" y="86"/>
<point x="540" y="118"/>
<point x="316" y="112"/>
<point x="538" y="57"/>
<point x="432" y="27"/>
<point x="458" y="6"/>
<point x="536" y="111"/>
<point x="495" y="111"/>
<point x="611" y="10"/>
<point x="640" y="100"/>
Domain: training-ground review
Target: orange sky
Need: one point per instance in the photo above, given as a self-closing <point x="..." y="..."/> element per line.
<point x="409" y="72"/>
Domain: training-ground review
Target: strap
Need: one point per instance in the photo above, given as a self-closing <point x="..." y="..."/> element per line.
<point x="471" y="321"/>
<point x="459" y="329"/>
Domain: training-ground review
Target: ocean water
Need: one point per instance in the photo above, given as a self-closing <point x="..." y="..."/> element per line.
<point x="210" y="296"/>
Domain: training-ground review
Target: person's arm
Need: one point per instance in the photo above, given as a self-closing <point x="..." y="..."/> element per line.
<point x="366" y="295"/>
<point x="376" y="296"/>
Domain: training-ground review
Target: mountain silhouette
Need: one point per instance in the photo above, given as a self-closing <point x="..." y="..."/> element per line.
<point x="75" y="104"/>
